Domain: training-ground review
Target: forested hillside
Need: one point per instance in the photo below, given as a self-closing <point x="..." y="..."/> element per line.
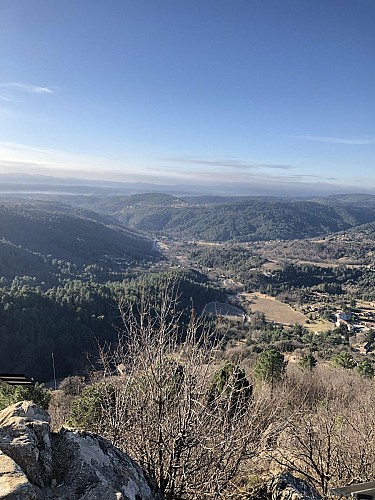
<point x="62" y="269"/>
<point x="68" y="234"/>
<point x="45" y="241"/>
<point x="53" y="261"/>
<point x="70" y="320"/>
<point x="244" y="219"/>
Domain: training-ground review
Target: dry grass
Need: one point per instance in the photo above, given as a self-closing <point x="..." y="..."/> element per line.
<point x="271" y="265"/>
<point x="319" y="325"/>
<point x="273" y="309"/>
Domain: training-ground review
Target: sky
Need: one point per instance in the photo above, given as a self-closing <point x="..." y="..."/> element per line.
<point x="237" y="96"/>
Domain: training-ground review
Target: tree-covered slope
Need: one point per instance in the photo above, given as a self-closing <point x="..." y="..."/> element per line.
<point x="215" y="218"/>
<point x="67" y="234"/>
<point x="249" y="220"/>
<point x="71" y="319"/>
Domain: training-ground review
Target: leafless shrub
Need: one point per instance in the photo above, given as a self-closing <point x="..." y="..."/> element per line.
<point x="59" y="409"/>
<point x="188" y="416"/>
<point x="330" y="439"/>
<point x="189" y="420"/>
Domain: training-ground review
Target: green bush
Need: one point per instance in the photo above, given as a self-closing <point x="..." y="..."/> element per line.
<point x="89" y="409"/>
<point x="308" y="362"/>
<point x="344" y="360"/>
<point x="365" y="369"/>
<point x="37" y="393"/>
<point x="231" y="386"/>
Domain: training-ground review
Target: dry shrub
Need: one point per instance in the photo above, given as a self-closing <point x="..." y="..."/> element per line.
<point x="59" y="408"/>
<point x="330" y="436"/>
<point x="186" y="414"/>
<point x="189" y="420"/>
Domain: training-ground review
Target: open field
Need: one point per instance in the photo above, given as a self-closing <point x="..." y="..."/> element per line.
<point x="271" y="265"/>
<point x="221" y="309"/>
<point x="208" y="243"/>
<point x="319" y="325"/>
<point x="336" y="263"/>
<point x="273" y="309"/>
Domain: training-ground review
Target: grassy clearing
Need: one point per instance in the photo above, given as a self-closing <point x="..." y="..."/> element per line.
<point x="273" y="309"/>
<point x="271" y="265"/>
<point x="319" y="325"/>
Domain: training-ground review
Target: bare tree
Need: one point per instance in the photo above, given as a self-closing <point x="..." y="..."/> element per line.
<point x="189" y="422"/>
<point x="330" y="440"/>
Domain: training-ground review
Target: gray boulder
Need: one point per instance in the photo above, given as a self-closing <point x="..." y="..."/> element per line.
<point x="14" y="484"/>
<point x="88" y="467"/>
<point x="284" y="487"/>
<point x="36" y="464"/>
<point x="287" y="487"/>
<point x="25" y="437"/>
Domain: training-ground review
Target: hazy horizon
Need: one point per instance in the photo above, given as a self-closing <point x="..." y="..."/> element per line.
<point x="33" y="184"/>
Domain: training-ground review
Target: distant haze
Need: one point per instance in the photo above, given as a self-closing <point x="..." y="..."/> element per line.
<point x="33" y="185"/>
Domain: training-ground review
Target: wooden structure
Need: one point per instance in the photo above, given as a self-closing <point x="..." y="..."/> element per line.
<point x="15" y="379"/>
<point x="360" y="491"/>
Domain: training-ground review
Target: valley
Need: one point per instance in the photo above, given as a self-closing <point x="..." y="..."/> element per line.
<point x="66" y="263"/>
<point x="187" y="250"/>
<point x="78" y="284"/>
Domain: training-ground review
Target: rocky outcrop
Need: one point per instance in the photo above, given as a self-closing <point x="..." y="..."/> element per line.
<point x="39" y="465"/>
<point x="284" y="487"/>
<point x="13" y="482"/>
<point x="89" y="467"/>
<point x="25" y="437"/>
<point x="287" y="487"/>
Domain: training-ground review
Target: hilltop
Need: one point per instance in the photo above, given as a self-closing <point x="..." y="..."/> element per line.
<point x="34" y="235"/>
<point x="212" y="218"/>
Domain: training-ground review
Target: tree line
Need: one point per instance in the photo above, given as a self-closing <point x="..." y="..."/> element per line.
<point x="71" y="319"/>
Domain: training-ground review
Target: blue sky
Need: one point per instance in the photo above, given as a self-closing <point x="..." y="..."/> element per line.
<point x="248" y="96"/>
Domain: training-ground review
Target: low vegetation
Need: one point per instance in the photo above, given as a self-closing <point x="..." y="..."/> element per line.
<point x="198" y="422"/>
<point x="188" y="419"/>
<point x="12" y="394"/>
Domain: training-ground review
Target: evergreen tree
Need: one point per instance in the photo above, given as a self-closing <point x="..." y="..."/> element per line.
<point x="344" y="360"/>
<point x="231" y="386"/>
<point x="308" y="362"/>
<point x="270" y="366"/>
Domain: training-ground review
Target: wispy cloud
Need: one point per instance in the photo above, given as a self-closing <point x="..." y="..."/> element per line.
<point x="240" y="177"/>
<point x="337" y="140"/>
<point x="27" y="159"/>
<point x="259" y="183"/>
<point x="7" y="97"/>
<point x="26" y="87"/>
<point x="227" y="163"/>
<point x="22" y="154"/>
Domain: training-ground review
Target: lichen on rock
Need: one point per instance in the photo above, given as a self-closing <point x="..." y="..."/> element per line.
<point x="36" y="464"/>
<point x="284" y="487"/>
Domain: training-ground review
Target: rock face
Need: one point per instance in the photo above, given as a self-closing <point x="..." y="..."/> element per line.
<point x="285" y="487"/>
<point x="288" y="487"/>
<point x="36" y="464"/>
<point x="25" y="437"/>
<point x="13" y="482"/>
